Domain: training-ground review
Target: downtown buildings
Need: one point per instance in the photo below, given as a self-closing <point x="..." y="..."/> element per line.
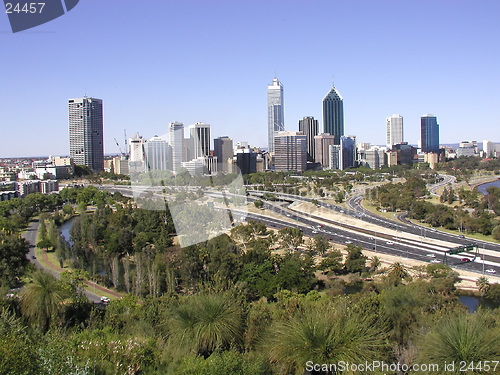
<point x="429" y="134"/>
<point x="86" y="145"/>
<point x="333" y="114"/>
<point x="394" y="130"/>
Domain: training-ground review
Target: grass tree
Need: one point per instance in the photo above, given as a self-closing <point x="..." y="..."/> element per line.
<point x="42" y="301"/>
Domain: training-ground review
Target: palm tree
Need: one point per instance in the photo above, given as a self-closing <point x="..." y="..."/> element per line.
<point x="42" y="300"/>
<point x="398" y="271"/>
<point x="325" y="334"/>
<point x="461" y="336"/>
<point x="483" y="284"/>
<point x="207" y="322"/>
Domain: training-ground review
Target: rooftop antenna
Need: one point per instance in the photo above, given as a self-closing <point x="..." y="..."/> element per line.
<point x="333" y="80"/>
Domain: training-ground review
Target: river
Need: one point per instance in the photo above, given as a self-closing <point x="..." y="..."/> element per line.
<point x="65" y="228"/>
<point x="482" y="188"/>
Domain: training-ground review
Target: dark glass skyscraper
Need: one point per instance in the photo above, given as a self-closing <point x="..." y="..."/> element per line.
<point x="333" y="114"/>
<point x="429" y="134"/>
<point x="309" y="127"/>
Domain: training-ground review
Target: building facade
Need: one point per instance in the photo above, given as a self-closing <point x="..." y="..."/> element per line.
<point x="275" y="113"/>
<point x="290" y="151"/>
<point x="309" y="127"/>
<point x="158" y="154"/>
<point x="86" y="145"/>
<point x="333" y="114"/>
<point x="176" y="141"/>
<point x="200" y="139"/>
<point x="322" y="143"/>
<point x="429" y="134"/>
<point x="223" y="149"/>
<point x="347" y="157"/>
<point x="394" y="130"/>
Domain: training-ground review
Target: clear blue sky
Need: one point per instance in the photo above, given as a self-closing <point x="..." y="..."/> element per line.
<point x="153" y="62"/>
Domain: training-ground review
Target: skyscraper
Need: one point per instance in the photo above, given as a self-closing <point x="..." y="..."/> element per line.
<point x="176" y="141"/>
<point x="347" y="155"/>
<point x="200" y="139"/>
<point x="86" y="145"/>
<point x="333" y="114"/>
<point x="429" y="134"/>
<point x="290" y="151"/>
<point x="275" y="116"/>
<point x="309" y="127"/>
<point x="158" y="154"/>
<point x="394" y="130"/>
<point x="223" y="149"/>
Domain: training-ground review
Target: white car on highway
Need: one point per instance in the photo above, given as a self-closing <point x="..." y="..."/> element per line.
<point x="490" y="270"/>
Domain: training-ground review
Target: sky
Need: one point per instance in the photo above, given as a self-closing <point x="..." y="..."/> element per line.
<point x="157" y="61"/>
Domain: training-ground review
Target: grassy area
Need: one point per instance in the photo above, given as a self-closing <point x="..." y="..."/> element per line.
<point x="373" y="209"/>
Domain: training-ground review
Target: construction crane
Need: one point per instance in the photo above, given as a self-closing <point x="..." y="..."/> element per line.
<point x="119" y="148"/>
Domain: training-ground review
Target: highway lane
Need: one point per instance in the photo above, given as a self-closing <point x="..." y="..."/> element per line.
<point x="367" y="239"/>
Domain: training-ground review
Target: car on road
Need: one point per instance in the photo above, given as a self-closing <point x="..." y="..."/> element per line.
<point x="390" y="243"/>
<point x="461" y="236"/>
<point x="105" y="300"/>
<point x="466" y="260"/>
<point x="435" y="261"/>
<point x="33" y="257"/>
<point x="315" y="231"/>
<point x="348" y="242"/>
<point x="490" y="270"/>
<point x="430" y="255"/>
<point x="341" y="211"/>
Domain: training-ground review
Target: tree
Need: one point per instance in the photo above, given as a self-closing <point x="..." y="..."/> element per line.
<point x="374" y="264"/>
<point x="258" y="203"/>
<point x="321" y="244"/>
<point x="42" y="300"/>
<point x="325" y="334"/>
<point x="355" y="261"/>
<point x="332" y="263"/>
<point x="483" y="285"/>
<point x="460" y="336"/>
<point x="13" y="261"/>
<point x="205" y="323"/>
<point x="290" y="238"/>
<point x="398" y="272"/>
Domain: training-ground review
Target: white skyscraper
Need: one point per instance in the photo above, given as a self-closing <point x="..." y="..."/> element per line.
<point x="394" y="125"/>
<point x="137" y="151"/>
<point x="86" y="145"/>
<point x="176" y="140"/>
<point x="200" y="139"/>
<point x="157" y="154"/>
<point x="275" y="114"/>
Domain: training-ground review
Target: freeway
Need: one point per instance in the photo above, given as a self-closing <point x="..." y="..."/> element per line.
<point x="343" y="233"/>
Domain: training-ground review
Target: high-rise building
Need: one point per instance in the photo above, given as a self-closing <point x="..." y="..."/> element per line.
<point x="275" y="114"/>
<point x="489" y="149"/>
<point x="429" y="134"/>
<point x="309" y="127"/>
<point x="334" y="157"/>
<point x="333" y="114"/>
<point x="321" y="144"/>
<point x="246" y="160"/>
<point x="347" y="155"/>
<point x="223" y="149"/>
<point x="290" y="151"/>
<point x="137" y="152"/>
<point x="86" y="145"/>
<point x="176" y="141"/>
<point x="394" y="130"/>
<point x="158" y="155"/>
<point x="200" y="139"/>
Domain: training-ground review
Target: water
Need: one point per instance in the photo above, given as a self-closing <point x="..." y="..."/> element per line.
<point x="482" y="188"/>
<point x="473" y="303"/>
<point x="65" y="228"/>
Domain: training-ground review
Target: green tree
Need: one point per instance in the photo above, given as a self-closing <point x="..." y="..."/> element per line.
<point x="321" y="244"/>
<point x="355" y="261"/>
<point x="290" y="238"/>
<point x="460" y="336"/>
<point x="332" y="263"/>
<point x="42" y="300"/>
<point x="13" y="262"/>
<point x="483" y="285"/>
<point x="325" y="334"/>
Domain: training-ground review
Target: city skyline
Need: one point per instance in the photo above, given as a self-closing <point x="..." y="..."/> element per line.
<point x="225" y="86"/>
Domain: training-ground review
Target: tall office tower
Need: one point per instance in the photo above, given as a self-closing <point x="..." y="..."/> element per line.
<point x="200" y="139"/>
<point x="309" y="127"/>
<point x="137" y="152"/>
<point x="394" y="127"/>
<point x="223" y="149"/>
<point x="176" y="141"/>
<point x="290" y="151"/>
<point x="275" y="114"/>
<point x="333" y="114"/>
<point x="489" y="149"/>
<point x="86" y="145"/>
<point x="347" y="156"/>
<point x="321" y="143"/>
<point x="429" y="134"/>
<point x="158" y="155"/>
<point x="334" y="157"/>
